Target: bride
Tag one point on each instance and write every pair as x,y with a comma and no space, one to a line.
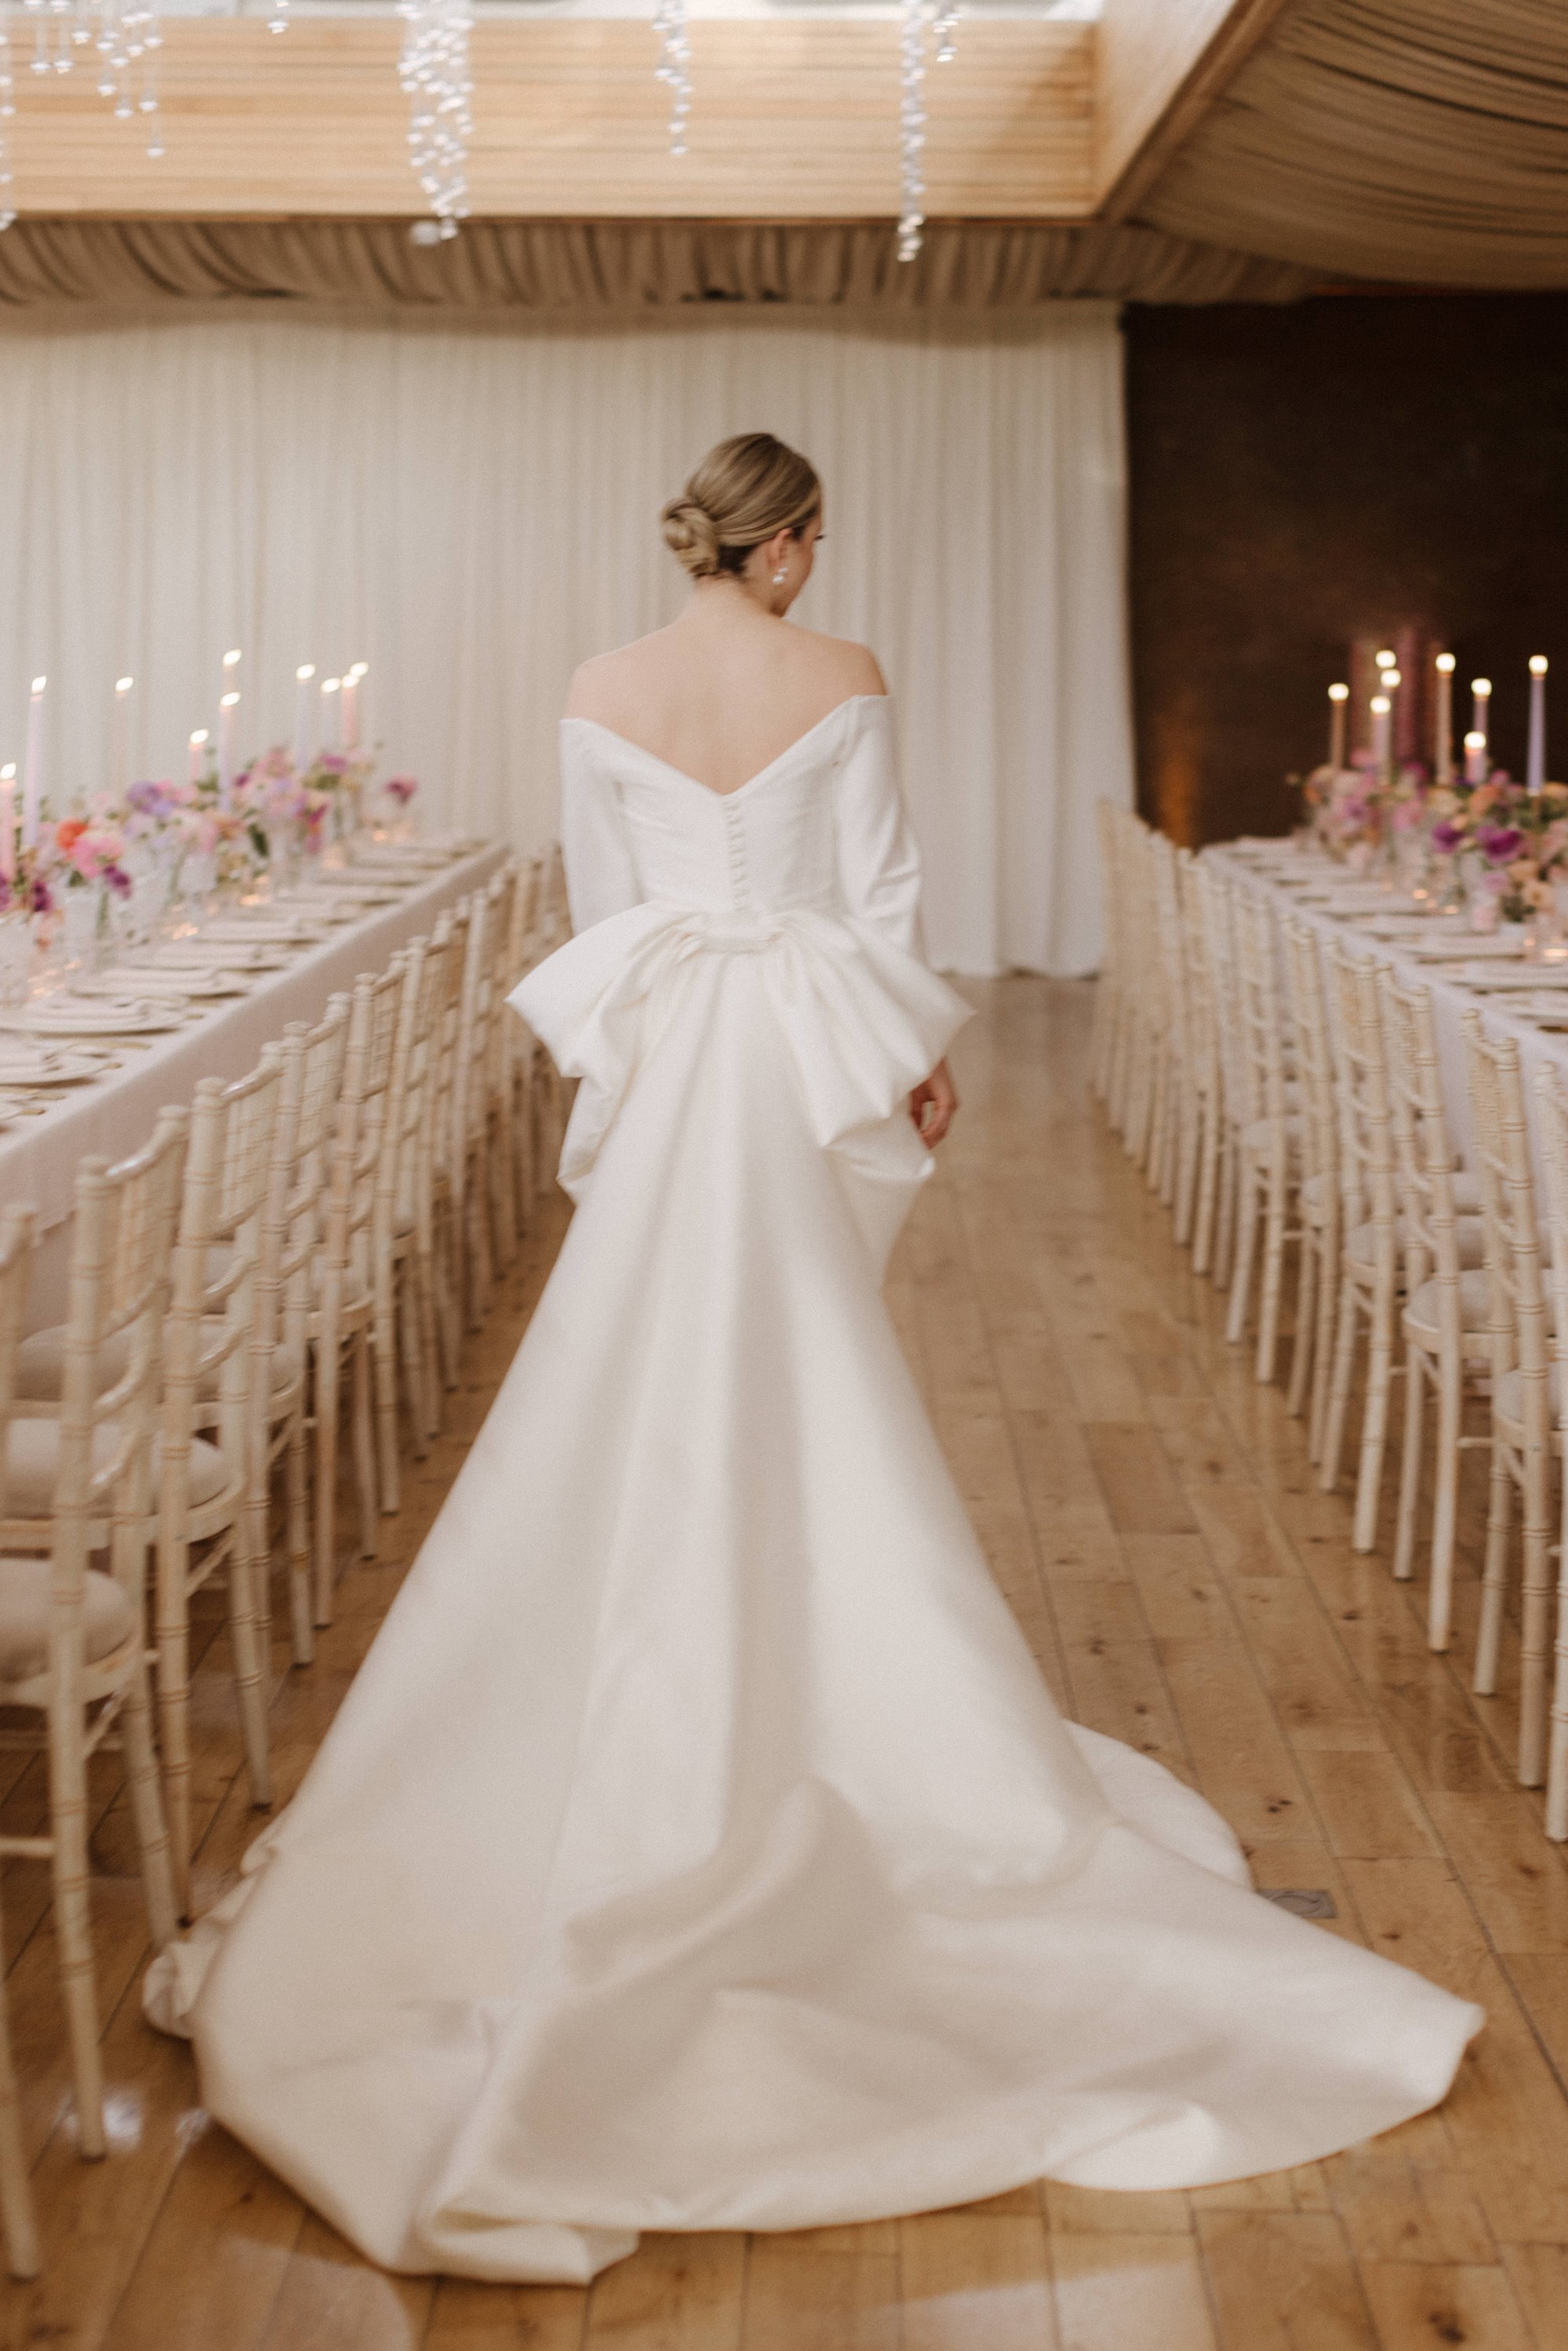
699,1847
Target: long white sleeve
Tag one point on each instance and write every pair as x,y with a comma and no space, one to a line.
879,864
600,877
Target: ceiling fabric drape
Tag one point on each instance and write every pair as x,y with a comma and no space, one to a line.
620,264
1418,140
470,504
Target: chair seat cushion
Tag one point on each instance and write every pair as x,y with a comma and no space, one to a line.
1508,1397
1475,1309
1361,1248
41,1359
108,1618
32,1462
1260,1135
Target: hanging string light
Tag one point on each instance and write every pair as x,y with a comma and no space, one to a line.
674,66
8,114
125,38
437,75
918,21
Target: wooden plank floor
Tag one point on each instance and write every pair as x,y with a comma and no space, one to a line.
1149,1512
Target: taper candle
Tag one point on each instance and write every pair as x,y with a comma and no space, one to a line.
1480,707
303,677
8,821
1338,696
331,687
1381,731
119,749
227,710
33,770
1535,758
1443,762
352,705
199,742
1475,758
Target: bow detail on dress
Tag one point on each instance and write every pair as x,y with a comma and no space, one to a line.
864,1021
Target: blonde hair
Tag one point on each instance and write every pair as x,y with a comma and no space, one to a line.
744,490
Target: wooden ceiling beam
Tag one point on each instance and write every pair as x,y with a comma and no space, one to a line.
791,120
1160,65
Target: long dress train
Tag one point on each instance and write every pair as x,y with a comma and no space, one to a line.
698,1847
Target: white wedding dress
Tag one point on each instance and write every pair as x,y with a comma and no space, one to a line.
697,1847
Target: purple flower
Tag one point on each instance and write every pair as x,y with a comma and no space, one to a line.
1501,844
119,880
42,897
400,788
1445,836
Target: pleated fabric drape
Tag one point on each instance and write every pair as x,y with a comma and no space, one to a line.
617,264
471,507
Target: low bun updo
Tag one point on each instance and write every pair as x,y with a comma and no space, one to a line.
744,491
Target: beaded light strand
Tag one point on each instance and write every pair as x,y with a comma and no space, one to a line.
436,73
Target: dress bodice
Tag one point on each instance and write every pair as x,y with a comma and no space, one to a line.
821,826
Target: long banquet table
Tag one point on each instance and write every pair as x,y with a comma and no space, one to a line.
115,1115
1464,971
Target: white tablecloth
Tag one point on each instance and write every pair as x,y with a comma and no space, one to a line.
1452,996
39,1156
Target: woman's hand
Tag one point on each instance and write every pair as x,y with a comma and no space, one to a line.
932,1106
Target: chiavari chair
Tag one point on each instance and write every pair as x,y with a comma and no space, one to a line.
16,2216
1318,1272
1522,1413
217,1375
1369,1255
1197,1186
444,1171
1446,1318
79,1480
1270,1141
1236,1090
1552,1104
343,1282
1109,981
312,1081
1168,1152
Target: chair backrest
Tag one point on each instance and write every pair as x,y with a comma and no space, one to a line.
1315,1075
523,949
1218,898
487,1057
223,1308
1255,976
1367,1188
1509,1224
357,1152
1170,962
312,1081
122,1244
1423,1155
1203,1034
454,931
1552,1104
17,1229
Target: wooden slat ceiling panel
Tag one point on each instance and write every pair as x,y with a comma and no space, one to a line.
791,120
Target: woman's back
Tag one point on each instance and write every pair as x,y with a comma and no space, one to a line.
728,687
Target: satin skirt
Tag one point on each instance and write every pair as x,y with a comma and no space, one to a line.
698,1847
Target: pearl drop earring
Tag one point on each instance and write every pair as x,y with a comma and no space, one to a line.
779,577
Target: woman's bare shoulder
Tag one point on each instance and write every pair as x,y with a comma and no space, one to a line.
599,686
842,668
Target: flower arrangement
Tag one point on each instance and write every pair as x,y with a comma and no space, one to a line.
88,849
1356,810
1517,839
28,889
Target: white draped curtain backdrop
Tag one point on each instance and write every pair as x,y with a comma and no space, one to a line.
471,508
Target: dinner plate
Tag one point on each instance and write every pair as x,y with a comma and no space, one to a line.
1528,976
1475,949
203,955
56,1070
198,981
111,1019
237,931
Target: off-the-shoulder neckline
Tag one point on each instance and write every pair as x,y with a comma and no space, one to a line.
849,703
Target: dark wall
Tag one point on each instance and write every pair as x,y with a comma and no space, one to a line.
1339,468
